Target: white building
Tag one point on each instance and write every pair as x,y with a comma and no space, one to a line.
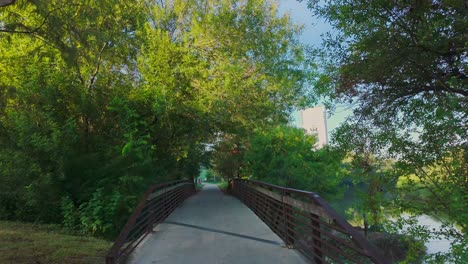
314,122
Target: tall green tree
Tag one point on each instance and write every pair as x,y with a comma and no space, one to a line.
371,181
402,64
100,99
62,63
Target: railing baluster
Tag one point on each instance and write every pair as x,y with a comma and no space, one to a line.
289,223
169,196
317,238
283,209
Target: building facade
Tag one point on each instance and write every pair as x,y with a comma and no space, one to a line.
314,122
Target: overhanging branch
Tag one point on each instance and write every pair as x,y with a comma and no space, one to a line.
32,31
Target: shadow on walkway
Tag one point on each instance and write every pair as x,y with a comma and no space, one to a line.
211,227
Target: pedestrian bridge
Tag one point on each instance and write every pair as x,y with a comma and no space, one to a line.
255,223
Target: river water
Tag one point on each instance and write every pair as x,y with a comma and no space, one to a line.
434,245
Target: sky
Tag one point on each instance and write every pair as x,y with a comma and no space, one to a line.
313,29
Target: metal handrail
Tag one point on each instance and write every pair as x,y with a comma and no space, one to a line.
155,206
305,221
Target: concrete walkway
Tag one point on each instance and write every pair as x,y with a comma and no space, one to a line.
211,227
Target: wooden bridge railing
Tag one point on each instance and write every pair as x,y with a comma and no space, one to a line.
305,221
157,203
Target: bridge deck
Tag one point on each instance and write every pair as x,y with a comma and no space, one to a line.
211,227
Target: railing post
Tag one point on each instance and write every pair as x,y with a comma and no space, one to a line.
165,210
283,211
233,188
270,208
151,221
241,193
121,245
289,225
316,239
284,226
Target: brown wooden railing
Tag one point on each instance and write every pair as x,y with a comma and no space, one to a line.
305,221
157,203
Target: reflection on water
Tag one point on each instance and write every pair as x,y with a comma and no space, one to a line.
350,199
434,245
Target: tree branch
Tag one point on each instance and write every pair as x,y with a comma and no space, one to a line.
33,31
93,78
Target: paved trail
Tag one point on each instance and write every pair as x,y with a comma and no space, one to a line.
211,227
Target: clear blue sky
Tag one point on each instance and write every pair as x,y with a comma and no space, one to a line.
313,29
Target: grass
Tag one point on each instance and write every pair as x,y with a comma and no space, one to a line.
37,244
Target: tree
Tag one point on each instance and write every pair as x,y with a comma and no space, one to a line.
402,64
284,156
61,66
227,157
100,100
370,178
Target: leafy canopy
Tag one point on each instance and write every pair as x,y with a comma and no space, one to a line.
100,99
402,66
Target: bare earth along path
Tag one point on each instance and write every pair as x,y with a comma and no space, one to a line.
211,227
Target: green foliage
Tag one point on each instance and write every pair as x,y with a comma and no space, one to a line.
227,158
71,218
284,156
223,185
99,100
211,175
371,179
402,64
